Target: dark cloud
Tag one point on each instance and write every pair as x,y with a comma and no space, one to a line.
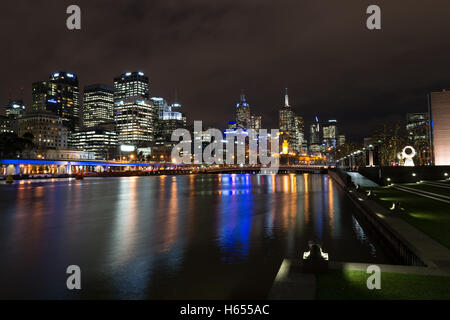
210,49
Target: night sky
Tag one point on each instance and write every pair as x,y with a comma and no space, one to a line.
209,50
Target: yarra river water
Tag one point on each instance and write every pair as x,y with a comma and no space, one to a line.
174,237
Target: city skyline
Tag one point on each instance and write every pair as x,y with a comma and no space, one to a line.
192,48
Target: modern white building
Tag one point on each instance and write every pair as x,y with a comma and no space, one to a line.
439,105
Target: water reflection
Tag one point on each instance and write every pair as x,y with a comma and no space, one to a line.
197,236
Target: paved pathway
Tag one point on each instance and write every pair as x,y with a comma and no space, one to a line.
361,180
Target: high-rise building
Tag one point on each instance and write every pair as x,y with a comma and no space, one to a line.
102,142
131,84
439,105
47,129
299,135
418,130
255,122
330,134
315,132
64,96
134,117
59,95
98,105
242,113
40,97
15,109
341,140
286,116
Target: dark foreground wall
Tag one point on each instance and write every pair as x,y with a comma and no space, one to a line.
381,175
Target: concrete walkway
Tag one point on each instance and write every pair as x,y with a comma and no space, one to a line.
291,284
361,180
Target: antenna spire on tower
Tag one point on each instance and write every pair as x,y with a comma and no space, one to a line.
286,98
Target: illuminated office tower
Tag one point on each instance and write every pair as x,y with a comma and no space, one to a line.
242,113
341,140
131,84
15,109
315,132
330,134
64,95
100,141
418,131
286,116
134,117
59,95
98,105
40,96
299,134
255,122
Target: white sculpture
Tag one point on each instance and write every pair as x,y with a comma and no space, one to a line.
408,153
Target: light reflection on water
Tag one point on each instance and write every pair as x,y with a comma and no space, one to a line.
204,236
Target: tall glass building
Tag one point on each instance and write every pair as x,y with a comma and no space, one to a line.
134,117
131,84
242,113
59,95
98,105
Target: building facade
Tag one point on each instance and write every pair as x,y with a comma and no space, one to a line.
131,84
98,105
103,143
418,136
439,104
242,113
134,117
59,95
47,129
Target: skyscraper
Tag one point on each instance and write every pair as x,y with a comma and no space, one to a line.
64,95
59,95
15,109
286,116
299,134
330,134
131,84
255,122
418,130
242,113
98,105
40,96
134,112
134,117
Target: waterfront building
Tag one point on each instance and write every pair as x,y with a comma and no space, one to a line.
131,84
418,136
103,143
134,117
169,118
59,95
439,108
67,154
47,129
330,134
98,105
242,113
